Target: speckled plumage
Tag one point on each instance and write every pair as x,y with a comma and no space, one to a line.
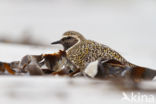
86,51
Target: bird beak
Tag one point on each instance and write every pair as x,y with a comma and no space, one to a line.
56,42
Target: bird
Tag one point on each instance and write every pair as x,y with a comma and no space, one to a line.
81,51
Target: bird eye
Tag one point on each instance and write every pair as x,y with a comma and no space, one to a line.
68,37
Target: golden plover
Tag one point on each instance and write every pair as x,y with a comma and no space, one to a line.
82,51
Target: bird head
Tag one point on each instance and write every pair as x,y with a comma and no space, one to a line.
69,39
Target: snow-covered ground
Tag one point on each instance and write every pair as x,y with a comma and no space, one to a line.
127,26
47,90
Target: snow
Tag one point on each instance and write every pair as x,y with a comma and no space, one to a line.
38,90
12,52
51,90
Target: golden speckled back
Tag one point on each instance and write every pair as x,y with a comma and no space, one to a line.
88,51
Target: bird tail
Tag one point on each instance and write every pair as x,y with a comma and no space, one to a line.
143,73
